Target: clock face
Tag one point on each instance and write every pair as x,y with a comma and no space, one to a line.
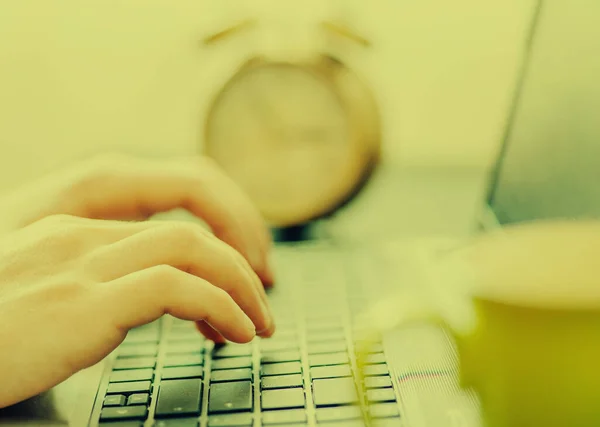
282,132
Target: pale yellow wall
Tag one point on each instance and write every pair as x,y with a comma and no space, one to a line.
78,77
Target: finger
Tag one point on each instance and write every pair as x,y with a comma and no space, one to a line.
111,232
187,247
210,333
235,219
144,296
134,188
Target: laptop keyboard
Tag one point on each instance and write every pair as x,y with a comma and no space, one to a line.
166,374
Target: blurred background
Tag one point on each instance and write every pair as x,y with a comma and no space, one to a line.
84,77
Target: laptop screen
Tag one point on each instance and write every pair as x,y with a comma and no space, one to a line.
550,164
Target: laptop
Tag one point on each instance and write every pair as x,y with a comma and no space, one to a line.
165,374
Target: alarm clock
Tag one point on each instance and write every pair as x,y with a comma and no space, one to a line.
300,137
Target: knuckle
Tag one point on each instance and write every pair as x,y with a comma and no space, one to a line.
162,274
60,220
238,260
62,228
64,289
94,172
240,263
184,234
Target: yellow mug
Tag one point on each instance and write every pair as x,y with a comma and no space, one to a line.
523,306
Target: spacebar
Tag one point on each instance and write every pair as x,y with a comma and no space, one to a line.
179,397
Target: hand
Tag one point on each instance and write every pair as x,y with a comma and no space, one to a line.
121,187
71,288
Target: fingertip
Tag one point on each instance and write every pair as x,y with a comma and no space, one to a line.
268,333
242,337
243,332
248,327
264,271
267,277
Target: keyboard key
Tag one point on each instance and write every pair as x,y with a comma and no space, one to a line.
132,387
378,382
267,346
338,413
114,400
325,326
179,397
139,399
131,375
381,395
284,398
122,424
334,391
375,358
281,368
230,397
328,359
182,372
280,356
324,337
383,410
183,334
281,381
338,333
282,335
232,362
231,375
154,325
189,330
319,318
124,412
232,350
327,347
177,422
180,323
368,346
185,347
330,371
284,416
376,348
241,419
134,363
137,350
374,370
184,360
